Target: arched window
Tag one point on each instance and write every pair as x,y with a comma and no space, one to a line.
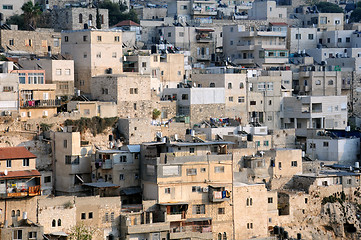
53,223
212,84
224,236
241,85
219,236
229,85
59,222
330,82
318,82
18,213
90,17
13,213
80,18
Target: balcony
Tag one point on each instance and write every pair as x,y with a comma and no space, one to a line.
104,164
24,192
40,103
204,11
204,37
218,194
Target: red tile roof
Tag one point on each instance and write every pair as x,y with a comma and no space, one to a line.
126,23
8,153
20,174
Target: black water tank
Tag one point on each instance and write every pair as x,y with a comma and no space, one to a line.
276,230
110,138
299,236
282,230
249,137
153,49
285,235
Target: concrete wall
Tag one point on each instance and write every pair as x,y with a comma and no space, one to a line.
9,99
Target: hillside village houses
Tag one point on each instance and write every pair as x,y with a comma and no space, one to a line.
211,120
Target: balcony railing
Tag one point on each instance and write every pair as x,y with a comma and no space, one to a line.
40,103
30,191
204,38
193,228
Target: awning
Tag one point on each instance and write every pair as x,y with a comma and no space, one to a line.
198,219
62,234
130,191
20,174
133,148
101,185
173,203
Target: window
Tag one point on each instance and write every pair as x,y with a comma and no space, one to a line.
65,143
199,209
231,42
249,225
136,176
53,223
67,71
105,91
330,82
280,166
116,39
106,217
349,181
58,71
348,39
325,144
66,38
85,55
83,215
203,169
184,96
80,18
85,38
90,215
270,200
11,42
229,85
249,201
310,36
230,99
8,88
298,36
99,55
121,177
112,216
294,164
191,150
181,34
133,90
33,235
212,85
67,159
241,99
312,145
339,40
13,213
135,106
167,190
241,85
99,38
219,169
59,222
265,143
8,163
18,234
252,102
318,82
191,171
26,162
18,213
8,7
184,7
47,179
169,34
231,29
221,211
114,55
328,40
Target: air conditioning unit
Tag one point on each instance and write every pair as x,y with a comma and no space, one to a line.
205,189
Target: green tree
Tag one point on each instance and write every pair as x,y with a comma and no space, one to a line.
326,7
31,14
156,113
356,15
117,12
16,20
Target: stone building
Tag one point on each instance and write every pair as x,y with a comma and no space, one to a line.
95,52
9,89
72,162
76,18
41,42
131,92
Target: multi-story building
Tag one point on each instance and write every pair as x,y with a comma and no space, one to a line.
131,92
191,182
59,72
41,42
322,21
313,112
263,47
130,26
72,162
9,93
19,177
267,10
76,18
95,52
36,98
